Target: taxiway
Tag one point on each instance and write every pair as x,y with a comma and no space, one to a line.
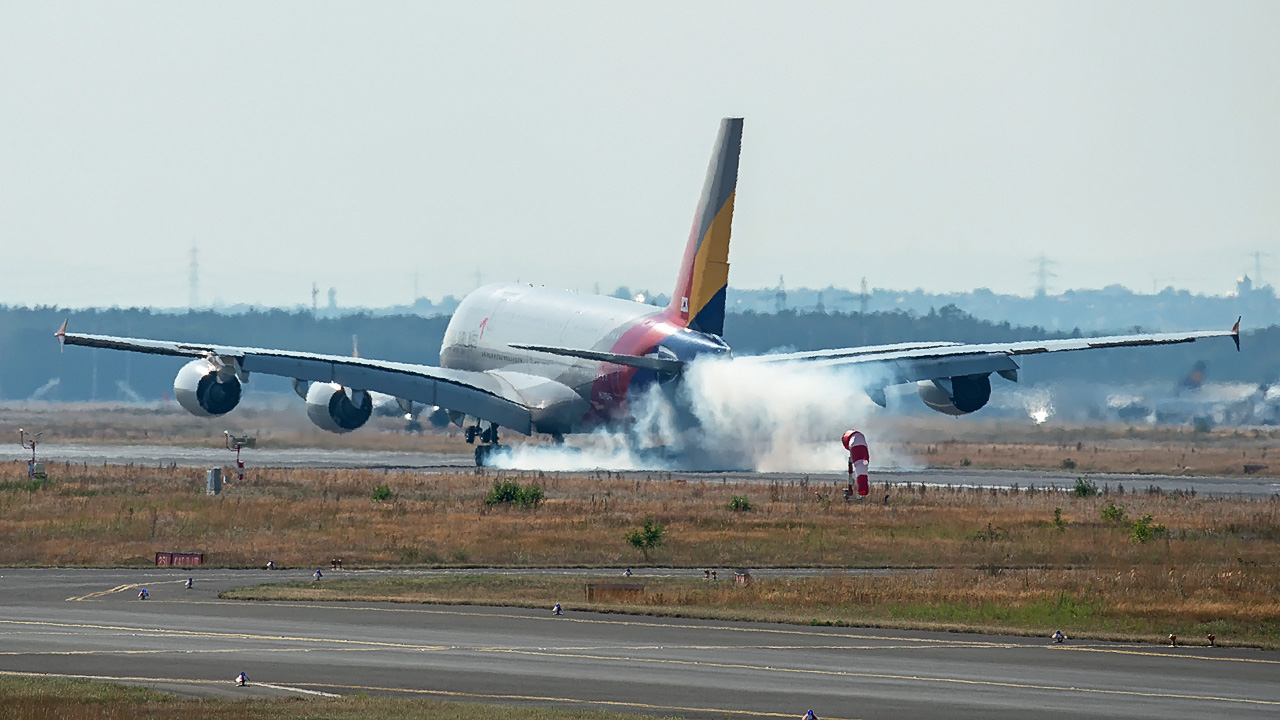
89,623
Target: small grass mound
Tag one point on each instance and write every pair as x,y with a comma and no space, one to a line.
1081,603
76,699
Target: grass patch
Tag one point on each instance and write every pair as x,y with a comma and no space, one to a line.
25,485
18,688
75,699
1028,602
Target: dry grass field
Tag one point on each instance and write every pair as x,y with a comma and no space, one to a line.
1090,449
41,698
120,515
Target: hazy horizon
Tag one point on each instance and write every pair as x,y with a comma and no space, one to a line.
220,304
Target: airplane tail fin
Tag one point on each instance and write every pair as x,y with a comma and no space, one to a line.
698,300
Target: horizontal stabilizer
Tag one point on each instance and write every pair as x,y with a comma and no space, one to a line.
656,364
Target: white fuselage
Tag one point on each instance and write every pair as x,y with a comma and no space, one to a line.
494,317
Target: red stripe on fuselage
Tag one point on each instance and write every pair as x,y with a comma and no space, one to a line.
609,391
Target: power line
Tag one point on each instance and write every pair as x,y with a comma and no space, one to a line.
1043,273
1257,256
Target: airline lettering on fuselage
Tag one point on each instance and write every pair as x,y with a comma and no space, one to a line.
500,357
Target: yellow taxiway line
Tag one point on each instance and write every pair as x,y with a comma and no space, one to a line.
116,589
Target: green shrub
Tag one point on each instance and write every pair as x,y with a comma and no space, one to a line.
740,503
647,537
1085,487
504,492
1143,530
1058,521
531,496
382,493
510,492
1113,513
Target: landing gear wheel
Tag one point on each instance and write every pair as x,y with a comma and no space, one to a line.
484,453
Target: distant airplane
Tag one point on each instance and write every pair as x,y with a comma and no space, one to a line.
532,359
1192,401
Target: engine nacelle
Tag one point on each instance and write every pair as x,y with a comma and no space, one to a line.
203,390
438,417
331,407
958,395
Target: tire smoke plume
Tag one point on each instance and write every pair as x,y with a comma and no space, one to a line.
727,414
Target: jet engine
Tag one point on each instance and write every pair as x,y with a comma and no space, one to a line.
959,395
438,417
337,409
205,390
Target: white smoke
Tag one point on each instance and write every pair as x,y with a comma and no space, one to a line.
600,450
747,415
1038,402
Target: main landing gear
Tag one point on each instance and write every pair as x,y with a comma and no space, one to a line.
488,436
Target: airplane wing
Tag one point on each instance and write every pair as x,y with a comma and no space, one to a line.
910,362
643,362
478,394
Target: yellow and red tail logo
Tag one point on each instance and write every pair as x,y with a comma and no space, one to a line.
698,301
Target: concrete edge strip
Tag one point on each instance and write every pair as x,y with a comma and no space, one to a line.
287,688
185,681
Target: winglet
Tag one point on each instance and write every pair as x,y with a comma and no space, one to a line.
1235,332
62,335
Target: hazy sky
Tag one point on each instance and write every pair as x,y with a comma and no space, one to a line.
937,145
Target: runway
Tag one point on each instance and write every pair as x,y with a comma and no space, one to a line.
89,623
441,462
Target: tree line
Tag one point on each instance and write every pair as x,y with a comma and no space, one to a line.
31,362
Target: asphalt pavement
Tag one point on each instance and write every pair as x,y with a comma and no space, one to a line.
89,622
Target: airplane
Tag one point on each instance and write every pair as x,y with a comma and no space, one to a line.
533,359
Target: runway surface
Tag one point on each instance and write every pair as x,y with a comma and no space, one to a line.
429,462
89,623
